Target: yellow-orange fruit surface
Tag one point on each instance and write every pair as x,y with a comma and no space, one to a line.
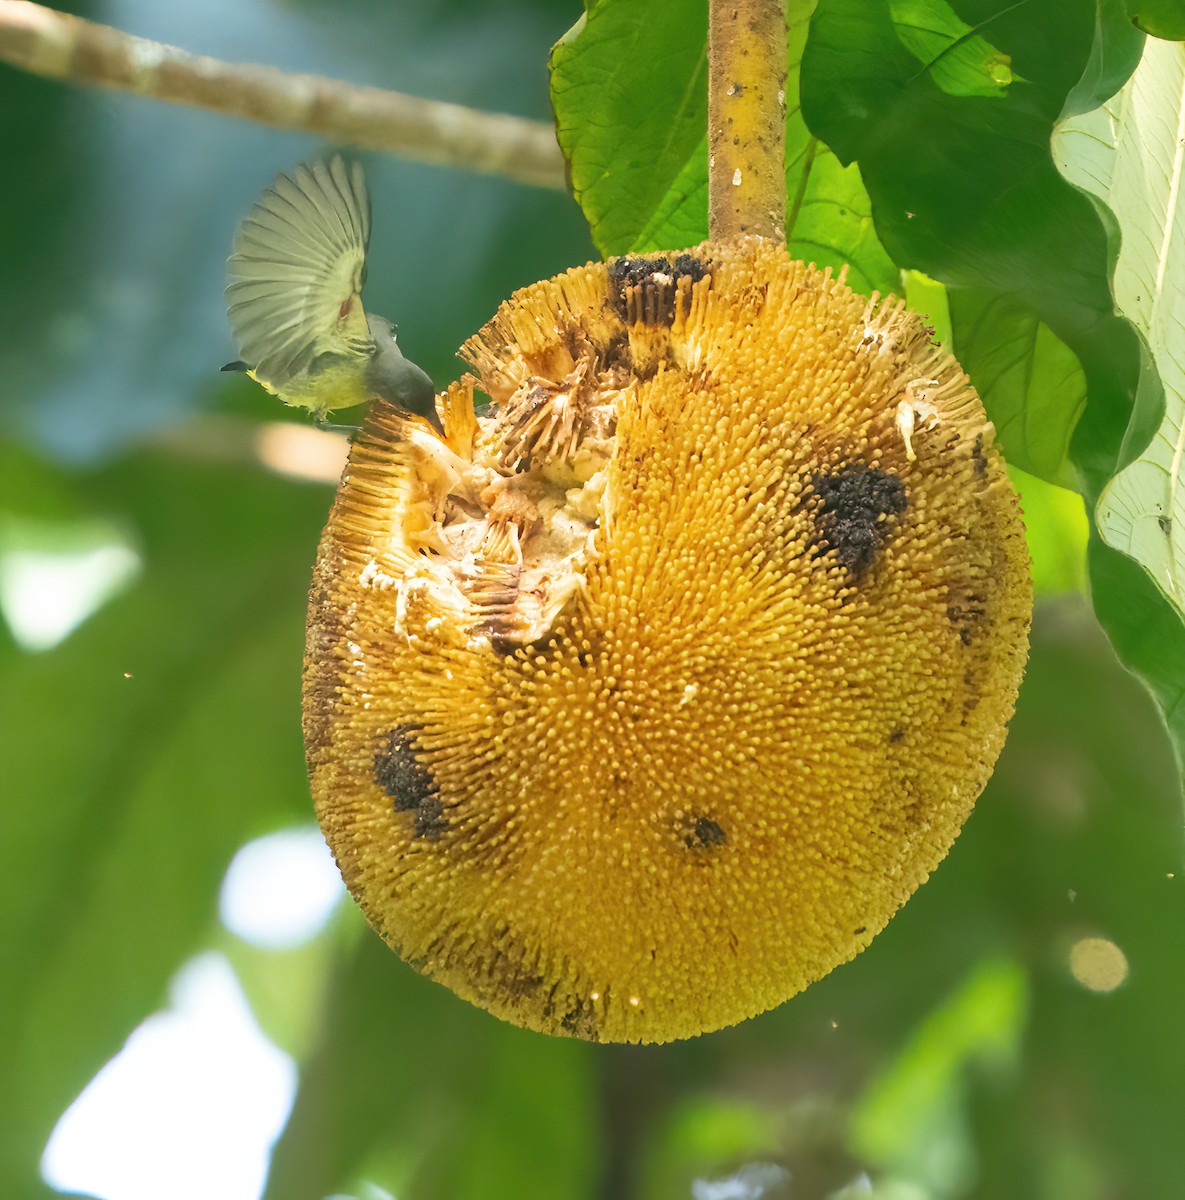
646,696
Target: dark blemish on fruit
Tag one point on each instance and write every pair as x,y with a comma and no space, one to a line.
323,685
855,504
897,736
690,267
580,1020
978,457
969,618
589,650
429,822
857,932
617,355
399,772
501,643
644,289
404,778
702,833
1166,525
913,813
971,700
518,986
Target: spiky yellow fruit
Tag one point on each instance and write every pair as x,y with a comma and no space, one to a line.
640,703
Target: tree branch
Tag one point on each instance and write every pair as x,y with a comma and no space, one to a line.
60,46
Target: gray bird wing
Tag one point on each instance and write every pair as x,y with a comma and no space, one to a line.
297,267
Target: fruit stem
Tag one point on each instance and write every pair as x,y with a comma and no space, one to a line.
746,119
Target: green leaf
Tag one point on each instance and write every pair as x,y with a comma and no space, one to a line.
964,187
631,107
959,61
1160,18
1145,630
143,750
1057,532
1129,154
828,213
904,1119
1031,383
928,298
630,98
285,987
414,1090
706,1136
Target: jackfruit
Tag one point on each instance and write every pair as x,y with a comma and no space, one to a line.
647,695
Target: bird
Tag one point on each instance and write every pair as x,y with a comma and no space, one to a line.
294,298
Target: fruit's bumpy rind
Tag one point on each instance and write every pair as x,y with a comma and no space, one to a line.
709,766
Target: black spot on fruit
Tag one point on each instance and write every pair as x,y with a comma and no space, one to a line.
897,736
616,355
580,1020
644,289
399,772
702,833
855,504
687,265
430,822
401,775
970,618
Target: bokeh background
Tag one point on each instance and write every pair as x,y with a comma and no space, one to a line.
1015,1032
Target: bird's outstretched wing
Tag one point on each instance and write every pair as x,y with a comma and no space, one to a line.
297,269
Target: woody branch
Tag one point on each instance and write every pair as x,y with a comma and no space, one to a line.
60,46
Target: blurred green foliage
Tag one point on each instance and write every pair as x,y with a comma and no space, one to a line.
957,1056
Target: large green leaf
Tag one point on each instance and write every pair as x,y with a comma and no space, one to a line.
1030,381
909,1121
631,107
136,757
958,59
964,187
828,213
1130,154
1126,154
630,99
1161,18
411,1089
